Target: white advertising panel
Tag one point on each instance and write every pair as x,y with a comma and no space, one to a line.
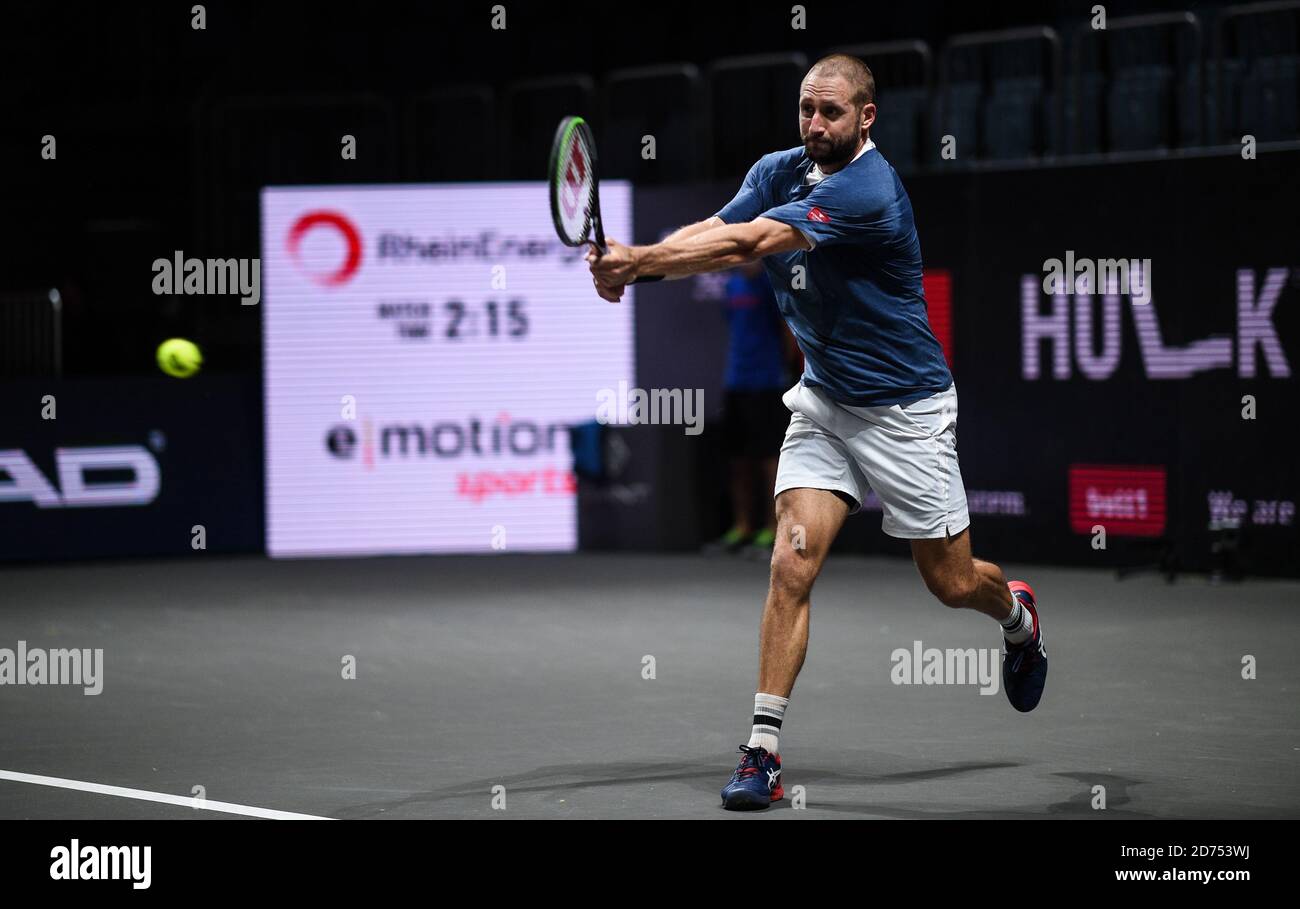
425,350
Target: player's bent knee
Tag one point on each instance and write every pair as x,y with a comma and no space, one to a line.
953,592
793,573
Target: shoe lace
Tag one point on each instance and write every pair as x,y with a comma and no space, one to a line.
1018,654
751,763
1018,657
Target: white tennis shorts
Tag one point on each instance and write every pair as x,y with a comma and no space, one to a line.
907,454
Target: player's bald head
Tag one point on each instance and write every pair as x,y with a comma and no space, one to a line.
836,109
862,85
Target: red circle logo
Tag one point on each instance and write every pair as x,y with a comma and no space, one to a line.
351,236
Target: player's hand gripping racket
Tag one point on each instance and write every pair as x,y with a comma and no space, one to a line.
575,189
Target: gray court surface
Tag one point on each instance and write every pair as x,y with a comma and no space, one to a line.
526,672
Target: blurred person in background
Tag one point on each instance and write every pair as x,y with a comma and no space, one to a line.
761,358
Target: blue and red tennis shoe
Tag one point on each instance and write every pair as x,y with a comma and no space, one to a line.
756,782
1024,666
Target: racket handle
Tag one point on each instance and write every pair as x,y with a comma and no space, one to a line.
646,279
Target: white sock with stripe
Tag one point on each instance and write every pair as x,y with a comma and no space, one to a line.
1019,626
769,710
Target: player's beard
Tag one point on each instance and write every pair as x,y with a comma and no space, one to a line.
830,151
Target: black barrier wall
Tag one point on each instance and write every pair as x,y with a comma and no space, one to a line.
1148,419
130,467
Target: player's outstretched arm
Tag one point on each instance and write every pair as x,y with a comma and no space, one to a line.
718,248
691,230
608,284
714,249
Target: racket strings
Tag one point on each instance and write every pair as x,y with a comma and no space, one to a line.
577,186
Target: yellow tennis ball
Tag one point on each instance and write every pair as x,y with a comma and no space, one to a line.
179,357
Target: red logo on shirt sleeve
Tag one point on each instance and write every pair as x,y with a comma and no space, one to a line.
816,214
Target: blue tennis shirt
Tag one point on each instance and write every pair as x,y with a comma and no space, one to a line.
859,316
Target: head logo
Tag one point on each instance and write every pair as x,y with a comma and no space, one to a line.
816,214
77,487
350,236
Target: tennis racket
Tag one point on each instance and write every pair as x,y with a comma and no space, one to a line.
575,189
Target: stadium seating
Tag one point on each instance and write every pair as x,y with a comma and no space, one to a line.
666,103
531,111
753,104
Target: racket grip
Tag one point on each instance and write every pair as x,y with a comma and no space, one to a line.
646,279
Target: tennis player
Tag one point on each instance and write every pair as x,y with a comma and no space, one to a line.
876,407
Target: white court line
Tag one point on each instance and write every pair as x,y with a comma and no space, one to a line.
165,798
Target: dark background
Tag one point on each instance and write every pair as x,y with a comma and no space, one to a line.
165,135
